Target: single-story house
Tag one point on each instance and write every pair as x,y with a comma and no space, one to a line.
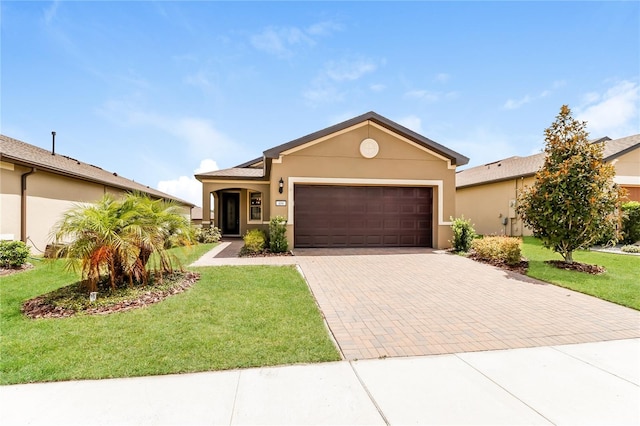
487,194
38,185
365,182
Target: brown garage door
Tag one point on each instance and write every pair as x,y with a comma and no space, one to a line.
362,216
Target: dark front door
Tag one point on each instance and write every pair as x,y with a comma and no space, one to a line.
362,216
230,213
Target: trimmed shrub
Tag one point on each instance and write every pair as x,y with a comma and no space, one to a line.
277,235
630,249
208,235
463,234
631,222
13,254
498,249
254,241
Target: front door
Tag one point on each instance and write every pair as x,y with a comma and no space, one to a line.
231,213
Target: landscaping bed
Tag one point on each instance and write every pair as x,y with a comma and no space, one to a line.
73,299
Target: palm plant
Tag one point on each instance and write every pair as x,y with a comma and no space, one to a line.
118,238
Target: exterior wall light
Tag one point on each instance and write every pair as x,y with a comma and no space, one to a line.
281,186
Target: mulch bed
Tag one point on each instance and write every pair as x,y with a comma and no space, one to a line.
577,266
520,268
266,253
38,308
10,271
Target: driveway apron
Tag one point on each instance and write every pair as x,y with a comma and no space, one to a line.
410,304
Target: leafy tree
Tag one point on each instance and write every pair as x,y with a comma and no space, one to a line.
118,238
573,202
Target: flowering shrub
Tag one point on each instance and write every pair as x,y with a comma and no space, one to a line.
208,235
501,249
254,241
630,249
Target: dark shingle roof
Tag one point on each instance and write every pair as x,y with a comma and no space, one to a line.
456,158
234,172
515,167
19,152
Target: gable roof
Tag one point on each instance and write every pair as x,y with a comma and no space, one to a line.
252,170
456,158
515,167
22,153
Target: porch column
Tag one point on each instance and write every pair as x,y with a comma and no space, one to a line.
206,208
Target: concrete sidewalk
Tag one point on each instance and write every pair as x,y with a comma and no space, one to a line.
591,383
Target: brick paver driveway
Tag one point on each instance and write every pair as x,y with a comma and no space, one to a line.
435,303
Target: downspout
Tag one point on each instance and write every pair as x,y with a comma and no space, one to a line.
23,205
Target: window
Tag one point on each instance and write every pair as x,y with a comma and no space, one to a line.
255,206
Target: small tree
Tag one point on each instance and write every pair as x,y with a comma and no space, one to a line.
116,238
573,202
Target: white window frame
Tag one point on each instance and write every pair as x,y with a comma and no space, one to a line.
249,206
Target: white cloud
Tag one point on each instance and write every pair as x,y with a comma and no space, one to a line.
324,28
328,86
411,122
51,12
517,103
199,79
207,165
377,87
485,145
424,95
349,70
613,113
324,94
188,187
281,41
200,135
442,77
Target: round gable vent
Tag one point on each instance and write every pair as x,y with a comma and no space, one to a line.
369,148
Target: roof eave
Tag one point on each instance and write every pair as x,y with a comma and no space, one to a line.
62,172
503,179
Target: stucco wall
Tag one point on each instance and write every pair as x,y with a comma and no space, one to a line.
489,205
628,173
337,160
486,205
48,196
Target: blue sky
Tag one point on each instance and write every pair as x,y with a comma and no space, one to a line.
156,91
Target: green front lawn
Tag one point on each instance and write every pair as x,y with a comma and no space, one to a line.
234,317
620,284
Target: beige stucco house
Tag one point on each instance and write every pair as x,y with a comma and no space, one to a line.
365,182
37,186
487,194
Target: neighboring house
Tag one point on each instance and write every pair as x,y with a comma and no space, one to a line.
366,182
37,186
196,216
487,194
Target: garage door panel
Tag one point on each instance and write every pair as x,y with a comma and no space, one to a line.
341,216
